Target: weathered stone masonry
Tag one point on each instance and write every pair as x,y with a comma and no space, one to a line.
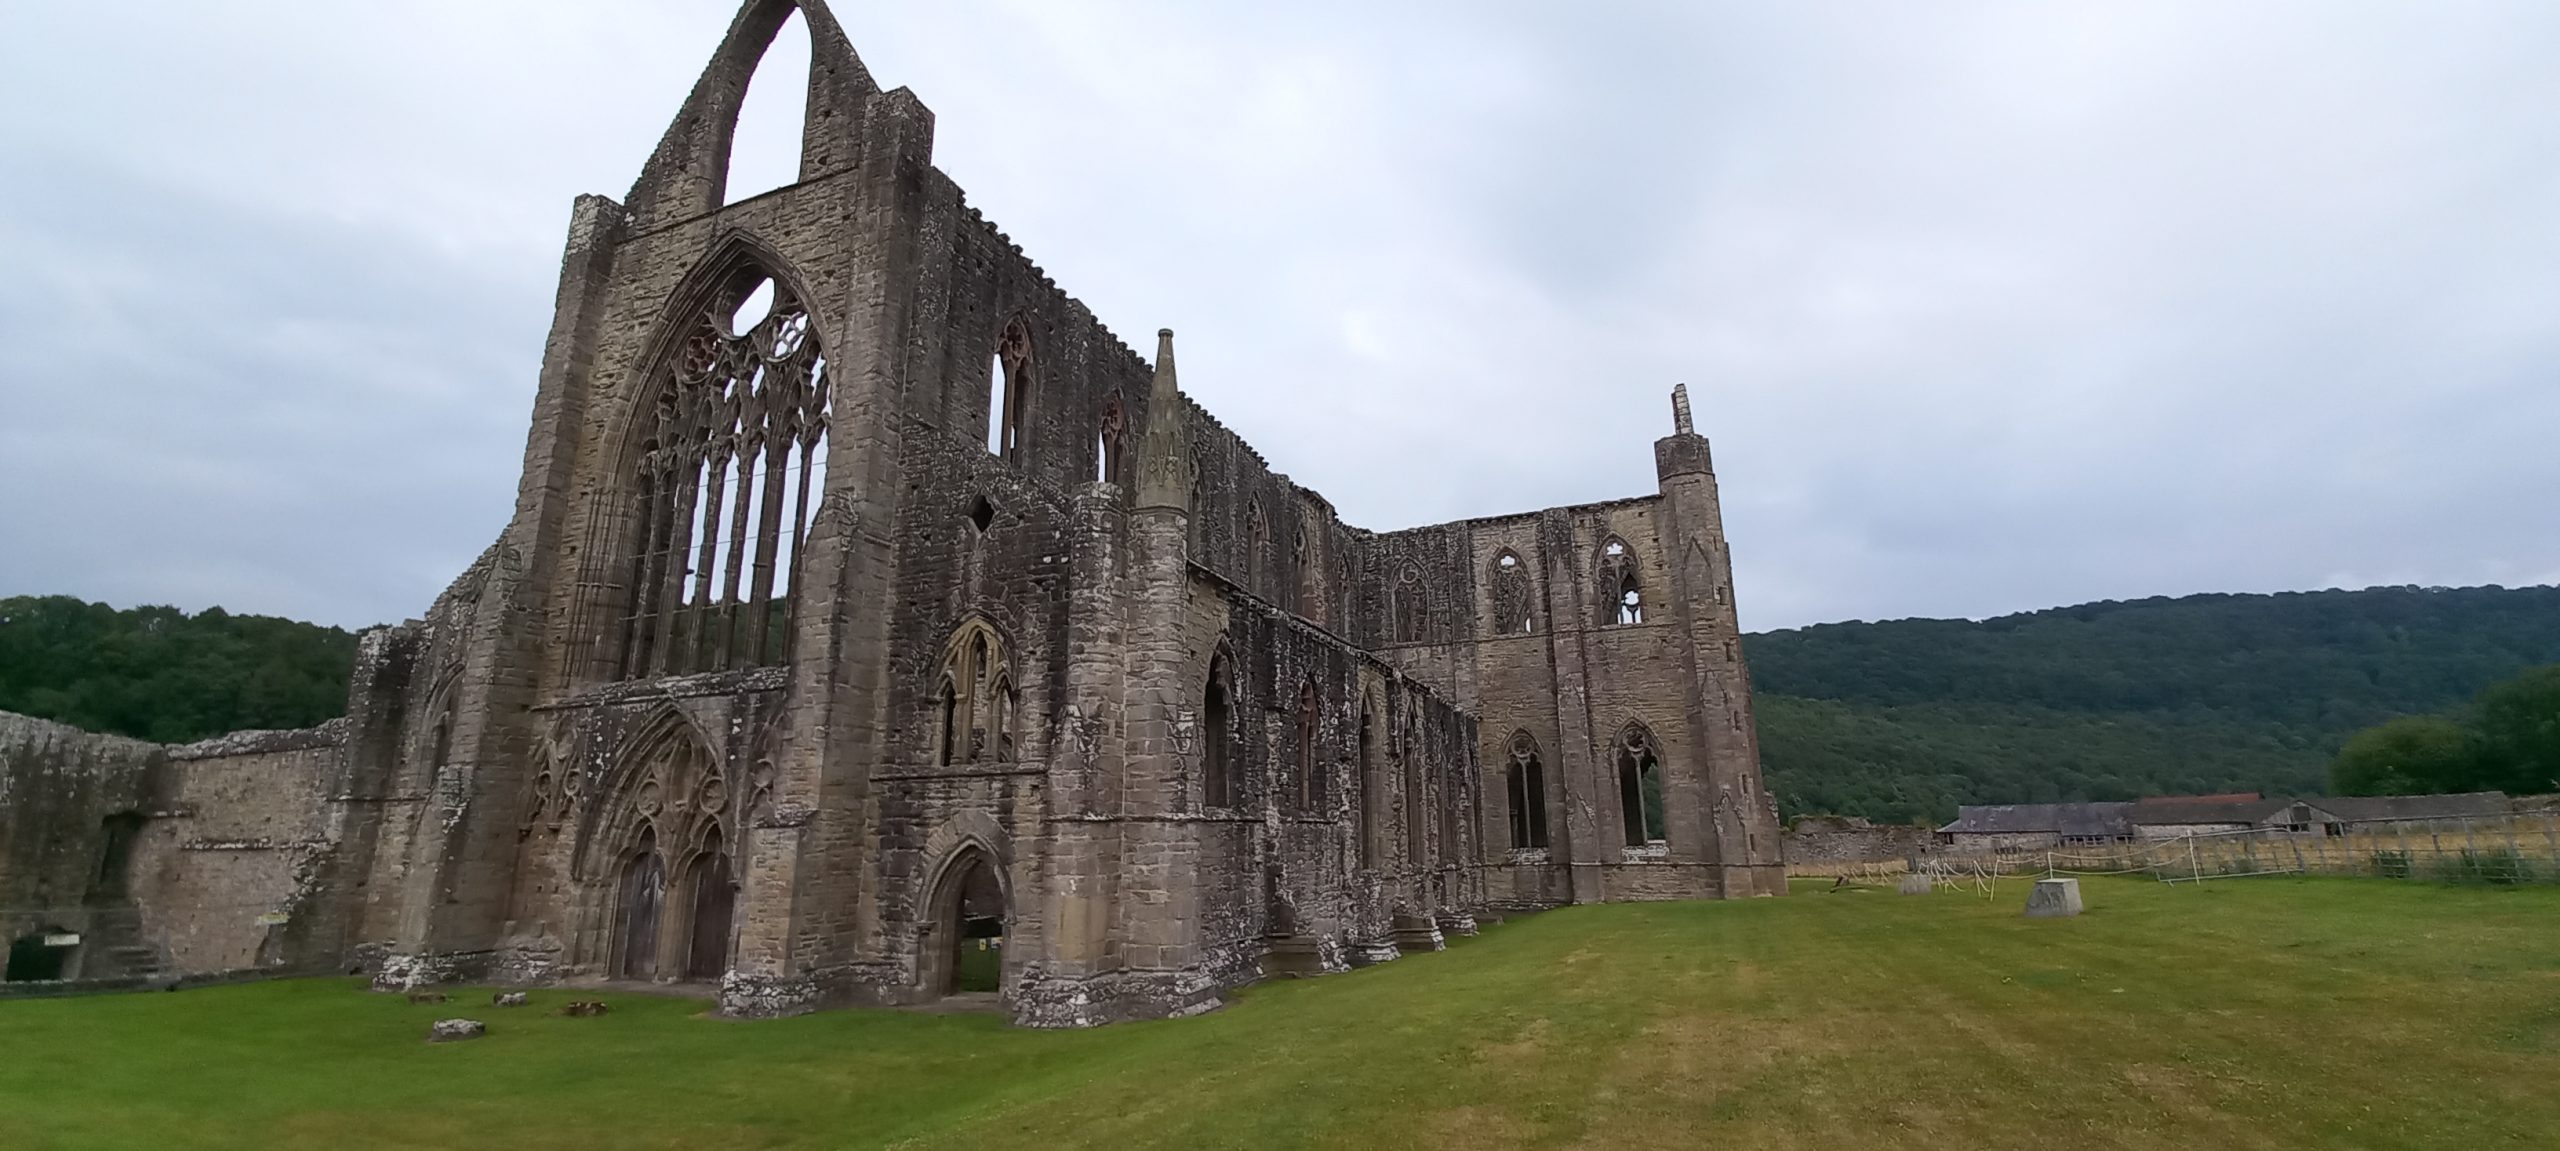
781,677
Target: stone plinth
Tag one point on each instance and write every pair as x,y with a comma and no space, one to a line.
2054,899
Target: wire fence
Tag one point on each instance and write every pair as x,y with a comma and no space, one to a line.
2503,849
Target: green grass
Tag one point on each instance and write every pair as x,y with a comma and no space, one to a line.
2264,1012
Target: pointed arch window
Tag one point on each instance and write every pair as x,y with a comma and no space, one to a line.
1527,783
1640,787
1106,442
1623,595
1009,390
731,463
1371,785
1308,784
1217,783
974,699
1513,602
1412,606
1257,545
1304,570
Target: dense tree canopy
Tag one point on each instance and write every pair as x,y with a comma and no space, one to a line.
1908,718
158,673
2507,740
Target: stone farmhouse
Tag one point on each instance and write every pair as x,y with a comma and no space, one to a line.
874,625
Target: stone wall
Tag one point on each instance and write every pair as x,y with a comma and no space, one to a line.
1834,839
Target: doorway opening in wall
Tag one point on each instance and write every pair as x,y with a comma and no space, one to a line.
643,893
115,857
41,955
973,922
714,900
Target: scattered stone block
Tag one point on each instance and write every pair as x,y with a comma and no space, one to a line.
1914,884
582,1008
507,999
426,997
2054,899
451,1030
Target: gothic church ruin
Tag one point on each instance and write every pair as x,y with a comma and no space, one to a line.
874,625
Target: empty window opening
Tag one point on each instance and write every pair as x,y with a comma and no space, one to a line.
1640,788
1417,800
728,484
764,152
714,898
1527,782
644,892
117,834
1217,789
981,513
1106,443
1309,794
1514,604
1622,596
1008,391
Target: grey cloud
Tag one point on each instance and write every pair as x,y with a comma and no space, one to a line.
1987,307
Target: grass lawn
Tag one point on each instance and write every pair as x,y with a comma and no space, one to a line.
2261,1013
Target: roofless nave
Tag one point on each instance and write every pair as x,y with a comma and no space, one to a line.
815,660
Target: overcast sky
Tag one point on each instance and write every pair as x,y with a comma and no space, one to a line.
1985,307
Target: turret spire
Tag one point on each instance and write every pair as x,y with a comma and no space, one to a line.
1680,422
1165,467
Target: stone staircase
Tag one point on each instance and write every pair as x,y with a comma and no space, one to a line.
115,948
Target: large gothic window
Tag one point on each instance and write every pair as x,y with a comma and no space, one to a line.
974,699
729,474
1513,605
1528,787
1640,787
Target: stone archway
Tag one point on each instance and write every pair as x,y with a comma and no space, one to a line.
962,939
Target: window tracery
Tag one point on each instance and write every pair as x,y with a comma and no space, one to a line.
1623,595
1412,606
729,473
1640,787
974,699
1009,390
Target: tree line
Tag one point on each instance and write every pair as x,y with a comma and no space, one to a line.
2507,740
158,673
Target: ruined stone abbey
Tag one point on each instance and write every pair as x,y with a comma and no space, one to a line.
875,625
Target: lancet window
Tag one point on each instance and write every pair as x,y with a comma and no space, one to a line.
1217,780
1623,601
974,700
1640,787
1009,391
1513,605
1412,609
730,471
1310,792
1527,782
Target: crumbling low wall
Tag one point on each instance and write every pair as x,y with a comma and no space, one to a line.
1831,839
151,862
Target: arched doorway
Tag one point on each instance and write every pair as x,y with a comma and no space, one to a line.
713,898
968,931
643,892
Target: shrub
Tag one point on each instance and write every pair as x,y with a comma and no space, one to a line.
2498,865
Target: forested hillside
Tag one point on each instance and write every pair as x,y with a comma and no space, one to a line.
1895,721
158,673
1905,719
